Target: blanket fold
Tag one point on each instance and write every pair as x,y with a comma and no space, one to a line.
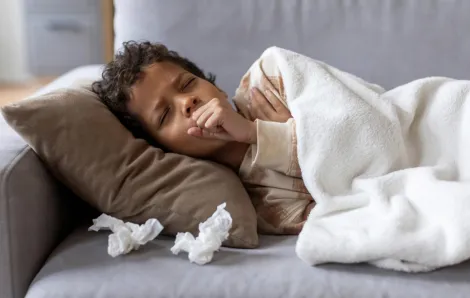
389,170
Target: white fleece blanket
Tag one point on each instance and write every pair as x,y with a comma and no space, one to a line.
389,170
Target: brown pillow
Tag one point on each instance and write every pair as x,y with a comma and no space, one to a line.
89,150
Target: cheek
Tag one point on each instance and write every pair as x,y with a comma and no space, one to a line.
175,134
210,92
175,137
221,94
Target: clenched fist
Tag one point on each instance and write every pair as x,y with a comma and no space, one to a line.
218,120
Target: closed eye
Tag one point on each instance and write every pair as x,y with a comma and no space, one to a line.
188,83
165,113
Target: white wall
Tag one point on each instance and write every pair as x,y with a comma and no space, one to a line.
13,51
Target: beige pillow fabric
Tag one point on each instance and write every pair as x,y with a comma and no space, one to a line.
88,149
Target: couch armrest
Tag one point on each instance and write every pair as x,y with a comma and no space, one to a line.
33,215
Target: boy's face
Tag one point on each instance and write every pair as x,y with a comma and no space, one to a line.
165,98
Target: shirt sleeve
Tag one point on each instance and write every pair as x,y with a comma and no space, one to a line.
276,147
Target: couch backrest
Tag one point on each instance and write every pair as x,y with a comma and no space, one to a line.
388,42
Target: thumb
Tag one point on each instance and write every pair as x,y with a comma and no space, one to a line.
206,134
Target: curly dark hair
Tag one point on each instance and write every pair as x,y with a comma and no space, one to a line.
120,74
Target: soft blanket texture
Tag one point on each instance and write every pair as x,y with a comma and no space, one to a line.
389,170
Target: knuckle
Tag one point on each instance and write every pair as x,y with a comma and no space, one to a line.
218,111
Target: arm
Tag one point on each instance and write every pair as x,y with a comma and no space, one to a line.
276,147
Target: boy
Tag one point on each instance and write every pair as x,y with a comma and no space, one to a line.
167,100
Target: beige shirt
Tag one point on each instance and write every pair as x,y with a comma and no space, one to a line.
270,170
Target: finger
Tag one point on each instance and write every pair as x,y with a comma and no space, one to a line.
204,133
216,135
260,97
195,132
271,94
213,129
257,112
275,102
267,85
202,119
264,107
214,121
196,114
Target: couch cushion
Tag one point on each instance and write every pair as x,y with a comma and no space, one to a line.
87,148
387,42
81,268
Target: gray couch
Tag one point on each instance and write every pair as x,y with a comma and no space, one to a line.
45,250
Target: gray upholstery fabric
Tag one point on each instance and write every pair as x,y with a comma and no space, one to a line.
33,207
388,42
81,267
30,214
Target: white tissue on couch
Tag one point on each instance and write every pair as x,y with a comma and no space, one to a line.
126,236
212,233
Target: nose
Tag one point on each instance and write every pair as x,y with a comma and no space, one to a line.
189,105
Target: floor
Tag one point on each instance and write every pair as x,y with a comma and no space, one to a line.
13,92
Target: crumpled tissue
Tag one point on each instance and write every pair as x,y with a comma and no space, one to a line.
126,236
212,233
